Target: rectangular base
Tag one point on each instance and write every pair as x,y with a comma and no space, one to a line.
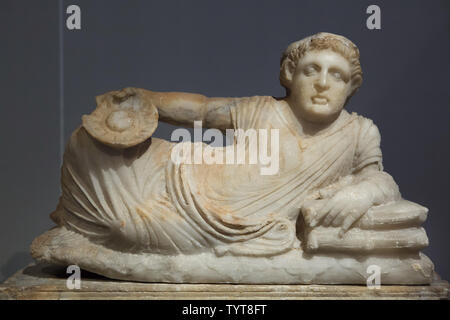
49,282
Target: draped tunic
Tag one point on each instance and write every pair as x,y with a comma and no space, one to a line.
139,200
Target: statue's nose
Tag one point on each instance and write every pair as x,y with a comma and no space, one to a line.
322,83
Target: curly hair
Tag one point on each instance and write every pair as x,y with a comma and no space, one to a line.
321,41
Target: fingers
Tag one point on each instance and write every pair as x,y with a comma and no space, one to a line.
339,219
120,94
125,93
326,207
310,209
349,221
334,212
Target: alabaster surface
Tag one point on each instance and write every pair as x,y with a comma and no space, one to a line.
314,206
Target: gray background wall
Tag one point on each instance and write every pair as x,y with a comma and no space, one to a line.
218,48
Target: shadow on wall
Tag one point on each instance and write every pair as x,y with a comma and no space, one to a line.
17,260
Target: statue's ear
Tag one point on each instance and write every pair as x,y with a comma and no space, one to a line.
356,83
290,69
287,72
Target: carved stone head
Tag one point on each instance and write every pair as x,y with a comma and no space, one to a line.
320,73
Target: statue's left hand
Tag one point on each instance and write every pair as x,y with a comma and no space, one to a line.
125,93
344,208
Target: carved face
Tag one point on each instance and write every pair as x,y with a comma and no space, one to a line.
320,85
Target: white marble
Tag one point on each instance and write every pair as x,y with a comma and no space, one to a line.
315,206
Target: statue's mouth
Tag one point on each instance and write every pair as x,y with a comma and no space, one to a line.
319,100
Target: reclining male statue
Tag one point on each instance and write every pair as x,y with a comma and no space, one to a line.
128,211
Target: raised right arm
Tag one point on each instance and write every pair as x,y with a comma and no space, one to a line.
183,109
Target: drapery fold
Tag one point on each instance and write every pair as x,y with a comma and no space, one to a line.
137,199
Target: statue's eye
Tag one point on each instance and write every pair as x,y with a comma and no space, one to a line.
337,75
310,70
